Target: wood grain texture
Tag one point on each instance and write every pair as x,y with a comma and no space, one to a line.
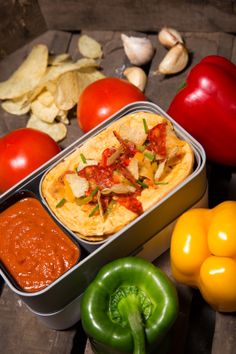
23,333
20,22
180,328
20,331
225,334
139,15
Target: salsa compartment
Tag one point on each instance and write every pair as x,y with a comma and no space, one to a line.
33,248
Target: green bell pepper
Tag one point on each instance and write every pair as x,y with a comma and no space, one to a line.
128,307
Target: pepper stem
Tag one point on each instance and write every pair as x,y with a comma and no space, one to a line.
130,310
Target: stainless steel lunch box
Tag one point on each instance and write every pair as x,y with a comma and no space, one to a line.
147,236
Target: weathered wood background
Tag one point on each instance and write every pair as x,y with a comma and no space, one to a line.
142,15
208,28
23,20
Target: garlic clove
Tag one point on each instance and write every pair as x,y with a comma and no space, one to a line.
136,76
138,50
175,60
168,37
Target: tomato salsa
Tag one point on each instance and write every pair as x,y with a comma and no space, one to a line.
33,248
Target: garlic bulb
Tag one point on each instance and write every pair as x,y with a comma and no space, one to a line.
138,50
169,37
175,60
136,76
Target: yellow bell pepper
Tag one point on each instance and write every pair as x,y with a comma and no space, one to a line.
203,253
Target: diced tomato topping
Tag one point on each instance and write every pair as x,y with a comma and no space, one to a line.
128,175
88,172
124,161
105,200
106,154
104,175
98,175
131,203
129,147
157,139
117,178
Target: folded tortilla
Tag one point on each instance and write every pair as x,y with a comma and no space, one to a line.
177,165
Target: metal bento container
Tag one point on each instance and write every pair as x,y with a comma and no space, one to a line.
130,240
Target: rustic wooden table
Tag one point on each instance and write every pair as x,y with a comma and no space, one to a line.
198,330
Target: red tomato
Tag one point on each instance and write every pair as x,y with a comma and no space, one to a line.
21,152
103,98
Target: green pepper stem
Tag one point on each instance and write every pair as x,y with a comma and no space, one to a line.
130,310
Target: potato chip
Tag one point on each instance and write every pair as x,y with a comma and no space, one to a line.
28,75
45,113
46,98
92,238
67,92
53,72
58,59
32,95
48,86
89,47
62,117
88,76
51,86
57,131
17,106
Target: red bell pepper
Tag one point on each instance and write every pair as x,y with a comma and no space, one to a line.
206,108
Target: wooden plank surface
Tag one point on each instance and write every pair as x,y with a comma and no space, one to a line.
139,15
23,20
20,22
20,331
225,323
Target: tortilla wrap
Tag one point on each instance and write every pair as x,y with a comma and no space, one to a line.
178,165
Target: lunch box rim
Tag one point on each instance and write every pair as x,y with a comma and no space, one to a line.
131,108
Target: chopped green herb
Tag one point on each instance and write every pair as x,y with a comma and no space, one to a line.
86,200
142,184
94,192
61,203
149,156
141,148
145,125
94,210
83,200
161,183
83,158
110,206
